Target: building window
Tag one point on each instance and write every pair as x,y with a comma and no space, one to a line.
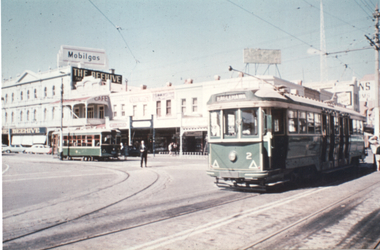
12,117
168,107
114,110
45,114
21,95
13,97
90,112
27,115
145,109
34,115
53,91
52,113
195,104
76,113
183,106
134,110
6,98
45,92
101,112
21,116
27,94
6,117
122,109
158,108
35,93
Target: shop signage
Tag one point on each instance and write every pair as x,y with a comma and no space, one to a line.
28,131
163,96
77,75
83,57
118,125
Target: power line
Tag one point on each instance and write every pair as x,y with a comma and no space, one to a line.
118,28
363,9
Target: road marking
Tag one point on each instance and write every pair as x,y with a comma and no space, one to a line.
59,176
6,168
161,242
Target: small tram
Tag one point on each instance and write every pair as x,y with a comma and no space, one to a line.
88,145
264,137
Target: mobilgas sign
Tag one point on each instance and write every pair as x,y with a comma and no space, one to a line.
82,57
78,74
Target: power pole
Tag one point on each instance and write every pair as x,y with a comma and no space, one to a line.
375,44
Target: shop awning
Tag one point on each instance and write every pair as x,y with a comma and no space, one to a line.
28,139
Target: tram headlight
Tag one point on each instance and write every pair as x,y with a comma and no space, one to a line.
232,156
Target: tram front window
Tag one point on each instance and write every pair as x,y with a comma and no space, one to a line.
229,122
215,124
249,122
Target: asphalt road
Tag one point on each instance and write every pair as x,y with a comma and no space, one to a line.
173,204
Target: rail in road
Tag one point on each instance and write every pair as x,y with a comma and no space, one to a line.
131,213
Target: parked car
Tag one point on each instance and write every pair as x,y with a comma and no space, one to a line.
38,149
4,148
14,149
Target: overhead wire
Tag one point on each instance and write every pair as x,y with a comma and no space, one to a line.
369,15
118,28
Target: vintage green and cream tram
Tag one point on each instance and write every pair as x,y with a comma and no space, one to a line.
263,137
90,144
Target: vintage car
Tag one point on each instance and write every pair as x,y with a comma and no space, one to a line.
38,149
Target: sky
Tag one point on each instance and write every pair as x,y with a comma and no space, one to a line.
152,42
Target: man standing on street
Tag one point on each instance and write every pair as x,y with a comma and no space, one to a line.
143,153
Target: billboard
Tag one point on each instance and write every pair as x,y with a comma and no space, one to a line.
262,56
82,57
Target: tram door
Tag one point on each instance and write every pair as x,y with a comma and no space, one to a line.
331,138
325,138
346,140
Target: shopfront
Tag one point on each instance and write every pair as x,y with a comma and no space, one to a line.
28,136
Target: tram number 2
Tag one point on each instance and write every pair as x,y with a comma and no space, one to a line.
249,156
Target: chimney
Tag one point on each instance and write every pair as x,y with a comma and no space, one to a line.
112,71
217,78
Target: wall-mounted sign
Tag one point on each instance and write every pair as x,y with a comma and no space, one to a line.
83,57
77,75
141,98
344,98
28,131
163,96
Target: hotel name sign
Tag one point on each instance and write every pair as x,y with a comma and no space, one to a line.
78,74
28,130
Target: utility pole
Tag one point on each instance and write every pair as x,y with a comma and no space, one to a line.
376,15
376,45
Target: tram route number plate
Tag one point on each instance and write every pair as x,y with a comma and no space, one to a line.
229,174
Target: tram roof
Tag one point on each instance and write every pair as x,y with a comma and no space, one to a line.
269,94
87,131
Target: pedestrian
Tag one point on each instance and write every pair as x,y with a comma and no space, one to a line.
375,147
170,148
175,148
143,153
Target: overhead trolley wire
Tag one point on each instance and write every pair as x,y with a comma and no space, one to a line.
118,28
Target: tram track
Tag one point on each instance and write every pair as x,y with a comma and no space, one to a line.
78,217
305,219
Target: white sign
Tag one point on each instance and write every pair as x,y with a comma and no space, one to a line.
262,56
82,57
163,96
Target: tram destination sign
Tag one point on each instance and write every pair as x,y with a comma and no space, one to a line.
79,73
230,97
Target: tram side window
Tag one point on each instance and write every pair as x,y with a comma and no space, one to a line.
215,124
96,140
350,126
89,140
302,122
360,127
354,126
318,123
249,122
336,125
293,121
65,139
278,121
310,123
229,122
